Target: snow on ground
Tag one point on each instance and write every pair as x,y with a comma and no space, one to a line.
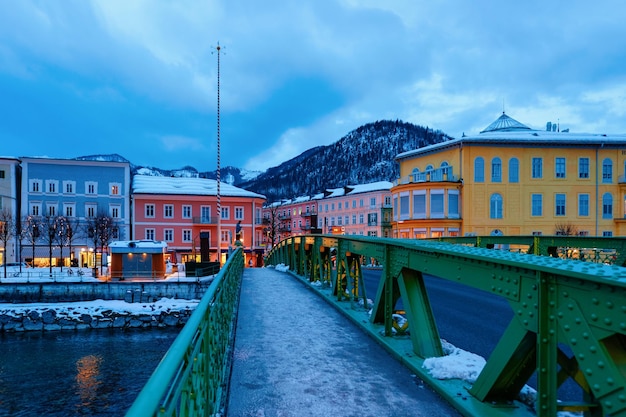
96,307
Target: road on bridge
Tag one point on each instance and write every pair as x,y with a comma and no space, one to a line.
469,318
296,356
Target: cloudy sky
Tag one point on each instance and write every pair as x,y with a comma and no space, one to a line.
139,77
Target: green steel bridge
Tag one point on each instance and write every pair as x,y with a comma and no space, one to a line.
567,295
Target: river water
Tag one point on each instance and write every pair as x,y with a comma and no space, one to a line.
77,373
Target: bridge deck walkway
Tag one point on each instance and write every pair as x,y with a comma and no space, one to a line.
294,355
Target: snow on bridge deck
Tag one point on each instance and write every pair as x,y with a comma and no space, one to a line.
296,356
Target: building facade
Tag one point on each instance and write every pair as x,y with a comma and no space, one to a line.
9,207
76,191
513,180
183,213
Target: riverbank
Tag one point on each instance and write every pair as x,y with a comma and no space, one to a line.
96,314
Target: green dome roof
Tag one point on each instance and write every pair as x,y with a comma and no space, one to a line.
505,123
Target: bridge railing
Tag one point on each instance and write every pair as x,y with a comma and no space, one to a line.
191,379
569,317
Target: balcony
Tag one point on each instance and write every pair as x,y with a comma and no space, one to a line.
205,220
309,213
443,174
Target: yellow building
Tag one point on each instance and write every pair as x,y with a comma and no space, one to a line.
513,180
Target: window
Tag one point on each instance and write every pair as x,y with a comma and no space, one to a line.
607,233
419,204
387,200
404,205
52,186
168,235
479,169
354,219
149,234
205,214
496,170
149,210
35,209
559,168
168,211
68,209
372,219
69,187
361,204
186,212
114,211
347,219
225,213
91,187
373,202
51,209
513,170
361,219
536,202
90,210
395,207
353,203
2,174
495,206
607,206
537,168
436,204
238,213
583,167
453,204
332,206
583,205
35,186
186,235
225,235
115,188
607,171
559,205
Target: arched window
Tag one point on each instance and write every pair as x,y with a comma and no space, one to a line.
513,170
607,206
495,206
607,170
479,169
496,170
415,174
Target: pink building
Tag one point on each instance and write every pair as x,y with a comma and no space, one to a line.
183,213
363,210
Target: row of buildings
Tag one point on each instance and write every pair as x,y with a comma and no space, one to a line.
180,212
507,180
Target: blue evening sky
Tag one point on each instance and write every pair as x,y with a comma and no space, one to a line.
139,77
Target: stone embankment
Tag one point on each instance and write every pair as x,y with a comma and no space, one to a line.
50,320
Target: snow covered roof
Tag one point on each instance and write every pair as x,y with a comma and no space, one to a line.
374,186
505,123
523,137
146,184
132,246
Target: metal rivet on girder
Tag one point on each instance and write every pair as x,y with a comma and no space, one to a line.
589,371
610,381
577,320
520,312
609,304
594,317
565,294
525,322
622,325
586,335
581,356
567,328
592,349
544,340
552,317
622,398
608,321
560,314
608,404
514,293
552,304
595,301
596,387
600,364
530,314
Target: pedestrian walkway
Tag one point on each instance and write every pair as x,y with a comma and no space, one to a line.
295,355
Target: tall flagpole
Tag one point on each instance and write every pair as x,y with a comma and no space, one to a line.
219,203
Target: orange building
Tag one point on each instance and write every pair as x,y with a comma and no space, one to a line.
183,213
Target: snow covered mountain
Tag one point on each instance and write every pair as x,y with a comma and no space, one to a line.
362,156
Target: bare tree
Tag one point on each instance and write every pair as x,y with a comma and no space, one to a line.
60,237
101,229
53,227
271,224
7,231
565,229
72,232
31,232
